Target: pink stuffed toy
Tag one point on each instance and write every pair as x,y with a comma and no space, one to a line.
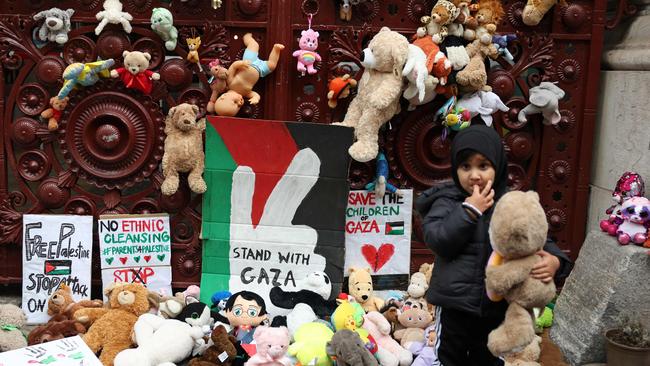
636,214
272,344
307,55
389,352
629,185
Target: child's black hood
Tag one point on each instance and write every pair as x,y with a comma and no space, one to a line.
486,141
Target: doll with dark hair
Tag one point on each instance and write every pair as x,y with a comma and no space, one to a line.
244,311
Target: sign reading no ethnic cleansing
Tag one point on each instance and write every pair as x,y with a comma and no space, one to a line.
56,249
136,249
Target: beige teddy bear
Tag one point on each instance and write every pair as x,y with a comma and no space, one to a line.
360,287
378,92
427,269
12,318
518,231
111,332
474,76
528,357
183,149
136,74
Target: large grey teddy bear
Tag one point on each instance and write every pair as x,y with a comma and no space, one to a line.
56,25
544,99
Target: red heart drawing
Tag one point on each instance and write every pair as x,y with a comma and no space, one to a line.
123,259
147,258
377,258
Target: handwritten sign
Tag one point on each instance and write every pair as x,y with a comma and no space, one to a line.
56,249
70,351
378,236
136,249
275,207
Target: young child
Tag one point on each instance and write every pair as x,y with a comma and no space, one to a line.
455,223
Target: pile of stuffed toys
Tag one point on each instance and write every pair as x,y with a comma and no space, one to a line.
446,57
629,217
137,327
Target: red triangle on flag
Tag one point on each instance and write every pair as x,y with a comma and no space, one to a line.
49,268
388,228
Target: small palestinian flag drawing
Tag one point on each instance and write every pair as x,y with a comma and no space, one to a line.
395,228
58,267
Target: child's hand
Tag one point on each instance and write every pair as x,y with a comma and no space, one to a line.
545,269
482,200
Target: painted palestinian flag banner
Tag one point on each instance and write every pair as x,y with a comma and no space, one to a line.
275,206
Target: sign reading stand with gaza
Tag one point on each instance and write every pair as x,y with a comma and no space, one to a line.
378,236
275,207
136,249
56,249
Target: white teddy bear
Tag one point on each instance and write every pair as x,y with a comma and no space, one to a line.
160,342
113,14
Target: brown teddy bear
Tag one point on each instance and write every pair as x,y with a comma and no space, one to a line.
183,149
62,303
474,76
378,92
360,287
111,332
488,16
517,232
435,26
58,327
215,355
53,114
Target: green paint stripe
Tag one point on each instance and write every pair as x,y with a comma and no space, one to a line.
211,283
219,168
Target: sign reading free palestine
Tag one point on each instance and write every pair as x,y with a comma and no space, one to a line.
136,249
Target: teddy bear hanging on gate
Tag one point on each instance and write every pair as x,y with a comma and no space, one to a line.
307,55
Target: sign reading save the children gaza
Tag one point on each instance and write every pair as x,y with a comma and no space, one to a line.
136,249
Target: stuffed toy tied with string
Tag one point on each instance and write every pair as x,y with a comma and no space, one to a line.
307,55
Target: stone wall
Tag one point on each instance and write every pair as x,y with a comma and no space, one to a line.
622,131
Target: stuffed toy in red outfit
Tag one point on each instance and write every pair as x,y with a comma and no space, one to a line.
135,73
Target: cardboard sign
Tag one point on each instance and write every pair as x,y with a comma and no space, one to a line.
70,351
274,210
136,249
378,236
56,248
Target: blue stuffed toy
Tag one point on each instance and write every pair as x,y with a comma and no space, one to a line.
380,185
501,43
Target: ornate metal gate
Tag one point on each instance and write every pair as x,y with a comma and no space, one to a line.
104,158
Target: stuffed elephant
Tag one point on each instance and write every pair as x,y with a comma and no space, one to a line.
348,349
484,104
544,99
